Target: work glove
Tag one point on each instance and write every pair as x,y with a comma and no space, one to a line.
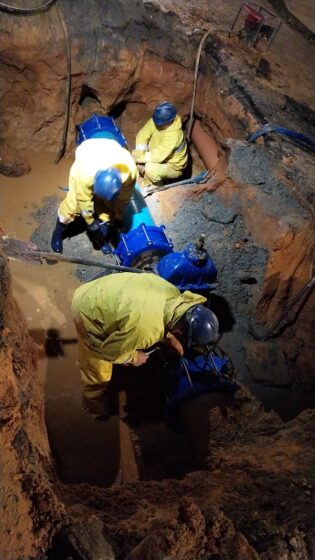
105,229
96,234
94,226
100,232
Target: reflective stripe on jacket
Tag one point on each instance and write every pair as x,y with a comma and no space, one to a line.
163,146
122,313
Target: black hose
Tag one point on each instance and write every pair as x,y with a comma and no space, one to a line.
203,38
14,10
68,86
41,8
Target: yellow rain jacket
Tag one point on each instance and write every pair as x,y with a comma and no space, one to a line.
91,156
122,313
162,146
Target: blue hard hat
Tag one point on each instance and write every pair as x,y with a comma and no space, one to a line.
203,326
164,113
107,183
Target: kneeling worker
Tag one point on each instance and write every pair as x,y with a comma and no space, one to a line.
161,146
101,183
120,316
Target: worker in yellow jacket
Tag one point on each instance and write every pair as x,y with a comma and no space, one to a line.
101,183
120,316
161,147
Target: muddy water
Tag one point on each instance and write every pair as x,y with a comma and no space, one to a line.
84,450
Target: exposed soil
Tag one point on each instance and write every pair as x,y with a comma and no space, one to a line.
216,513
30,510
230,478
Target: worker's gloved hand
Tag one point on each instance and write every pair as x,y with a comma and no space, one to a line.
94,226
105,229
140,359
95,233
173,343
100,232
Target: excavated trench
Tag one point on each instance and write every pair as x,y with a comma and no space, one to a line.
256,214
154,450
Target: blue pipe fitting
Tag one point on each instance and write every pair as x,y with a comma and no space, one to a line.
188,270
137,212
100,127
144,239
205,376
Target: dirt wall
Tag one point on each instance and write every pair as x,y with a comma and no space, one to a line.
252,501
30,512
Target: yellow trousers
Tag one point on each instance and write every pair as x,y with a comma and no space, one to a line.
68,209
95,376
155,173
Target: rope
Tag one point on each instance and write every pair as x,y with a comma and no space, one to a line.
191,115
14,10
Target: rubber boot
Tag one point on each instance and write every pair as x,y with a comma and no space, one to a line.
56,239
106,231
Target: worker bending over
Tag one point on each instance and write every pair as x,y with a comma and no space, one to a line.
120,316
161,147
101,183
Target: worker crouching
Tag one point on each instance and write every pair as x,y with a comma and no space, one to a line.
161,147
120,316
101,183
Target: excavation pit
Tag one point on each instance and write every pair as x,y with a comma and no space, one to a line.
231,478
75,437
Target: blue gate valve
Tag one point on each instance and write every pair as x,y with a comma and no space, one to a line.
197,375
191,269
